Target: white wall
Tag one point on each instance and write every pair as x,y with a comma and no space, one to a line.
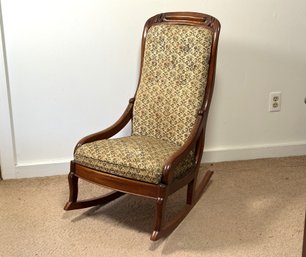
72,66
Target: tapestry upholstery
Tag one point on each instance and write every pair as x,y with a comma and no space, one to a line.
173,81
170,93
136,157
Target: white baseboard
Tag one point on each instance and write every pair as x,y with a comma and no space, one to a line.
210,155
42,169
254,152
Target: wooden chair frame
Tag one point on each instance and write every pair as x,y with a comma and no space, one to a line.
195,141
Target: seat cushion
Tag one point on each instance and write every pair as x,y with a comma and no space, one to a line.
136,157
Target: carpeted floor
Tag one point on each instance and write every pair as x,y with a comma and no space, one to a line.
251,208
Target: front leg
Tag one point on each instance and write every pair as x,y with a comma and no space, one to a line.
73,187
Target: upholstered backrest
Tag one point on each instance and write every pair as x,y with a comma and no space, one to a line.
173,80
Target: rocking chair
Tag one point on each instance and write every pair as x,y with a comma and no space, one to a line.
168,113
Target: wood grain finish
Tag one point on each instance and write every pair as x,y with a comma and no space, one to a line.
195,142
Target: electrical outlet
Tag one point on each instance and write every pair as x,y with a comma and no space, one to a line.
275,101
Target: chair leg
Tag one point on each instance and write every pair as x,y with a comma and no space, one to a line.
194,193
202,185
73,188
73,204
190,192
159,215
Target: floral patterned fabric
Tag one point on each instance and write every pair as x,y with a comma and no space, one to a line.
170,93
137,157
173,81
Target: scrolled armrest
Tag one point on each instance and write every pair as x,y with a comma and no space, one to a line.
113,129
184,150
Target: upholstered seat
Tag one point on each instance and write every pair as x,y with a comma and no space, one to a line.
136,157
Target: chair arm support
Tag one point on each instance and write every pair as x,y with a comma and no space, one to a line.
113,129
182,152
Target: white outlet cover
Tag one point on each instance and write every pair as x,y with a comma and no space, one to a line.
275,105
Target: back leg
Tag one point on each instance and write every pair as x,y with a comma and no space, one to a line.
190,192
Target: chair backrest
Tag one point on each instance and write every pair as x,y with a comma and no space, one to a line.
177,74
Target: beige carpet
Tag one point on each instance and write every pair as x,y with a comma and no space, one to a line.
251,208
